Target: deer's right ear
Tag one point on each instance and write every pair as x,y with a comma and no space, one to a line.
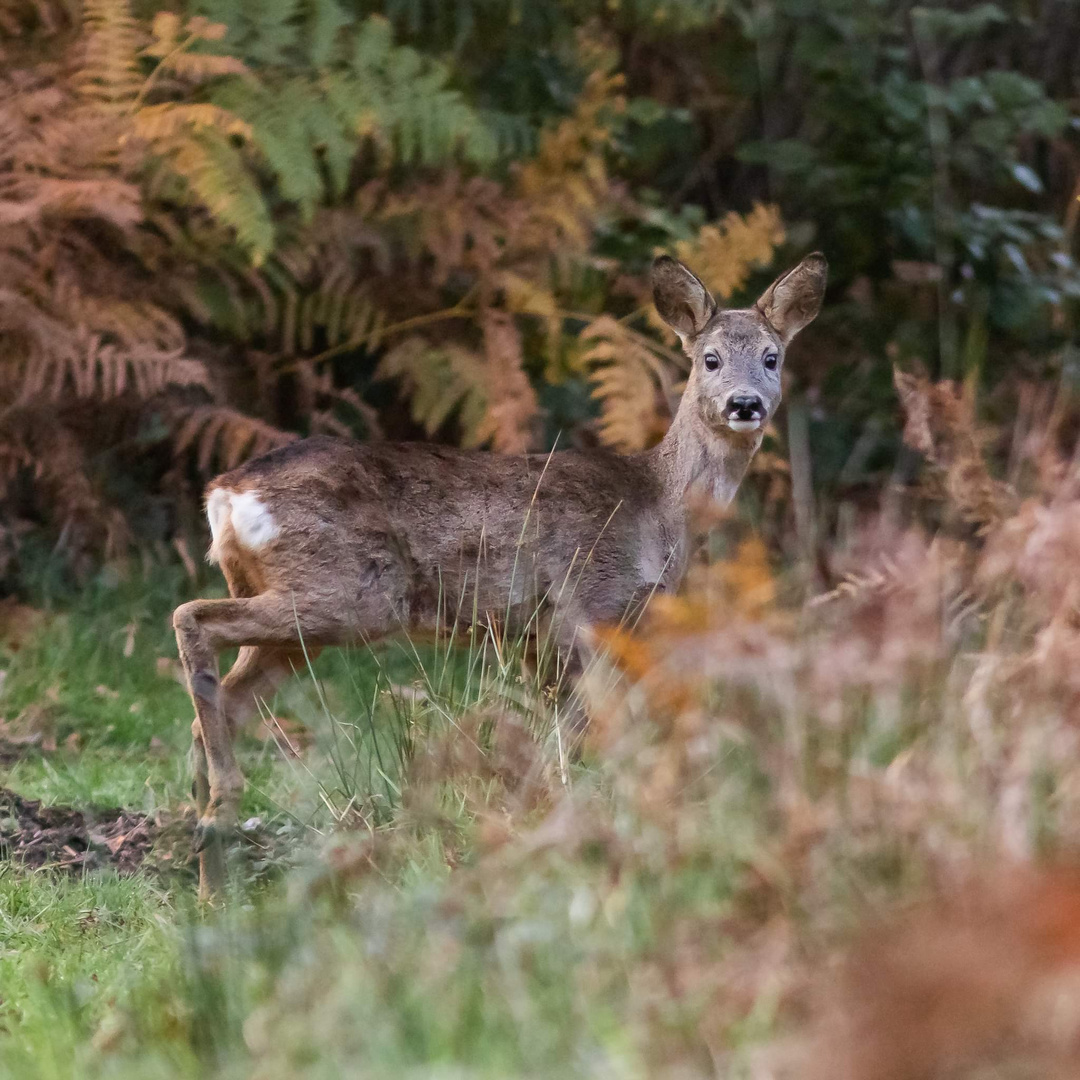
682,300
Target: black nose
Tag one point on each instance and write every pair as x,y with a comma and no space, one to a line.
748,407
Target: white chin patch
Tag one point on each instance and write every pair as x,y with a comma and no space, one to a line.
744,425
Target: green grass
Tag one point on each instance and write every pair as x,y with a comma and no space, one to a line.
71,953
103,974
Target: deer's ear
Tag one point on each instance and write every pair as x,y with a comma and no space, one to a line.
683,302
794,299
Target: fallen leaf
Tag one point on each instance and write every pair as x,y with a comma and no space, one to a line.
18,623
168,668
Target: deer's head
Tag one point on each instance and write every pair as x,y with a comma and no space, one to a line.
737,355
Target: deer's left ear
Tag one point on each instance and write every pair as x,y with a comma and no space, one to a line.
794,299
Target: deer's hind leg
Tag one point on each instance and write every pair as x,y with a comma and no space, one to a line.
259,670
275,626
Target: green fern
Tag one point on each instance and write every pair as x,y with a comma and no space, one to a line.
410,100
219,180
308,296
263,34
281,120
440,383
310,124
321,29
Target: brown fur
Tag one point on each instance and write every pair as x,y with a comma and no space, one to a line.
373,539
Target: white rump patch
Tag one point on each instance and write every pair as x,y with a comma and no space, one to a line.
217,513
252,522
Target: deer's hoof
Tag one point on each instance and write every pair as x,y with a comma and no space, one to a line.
208,833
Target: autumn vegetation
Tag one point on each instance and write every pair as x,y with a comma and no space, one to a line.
826,819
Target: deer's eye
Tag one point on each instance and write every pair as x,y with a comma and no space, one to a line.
712,361
770,361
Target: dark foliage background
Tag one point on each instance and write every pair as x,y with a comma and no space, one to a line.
224,224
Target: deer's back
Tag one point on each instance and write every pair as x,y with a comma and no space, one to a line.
428,526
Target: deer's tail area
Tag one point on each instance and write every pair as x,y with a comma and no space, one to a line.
241,525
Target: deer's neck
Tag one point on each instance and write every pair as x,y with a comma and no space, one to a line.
694,462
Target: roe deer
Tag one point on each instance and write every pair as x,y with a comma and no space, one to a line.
328,541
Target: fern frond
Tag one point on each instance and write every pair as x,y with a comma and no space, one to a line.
402,100
724,254
218,179
131,324
341,313
199,67
105,198
321,30
265,35
527,296
105,372
282,119
512,406
309,127
173,41
631,383
410,119
109,72
311,295
222,438
170,120
439,382
567,182
46,17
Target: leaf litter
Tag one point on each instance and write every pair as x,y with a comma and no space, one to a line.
61,837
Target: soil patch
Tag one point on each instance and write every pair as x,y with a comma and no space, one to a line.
68,839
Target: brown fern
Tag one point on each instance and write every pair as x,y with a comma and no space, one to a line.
631,382
511,401
940,424
221,438
81,323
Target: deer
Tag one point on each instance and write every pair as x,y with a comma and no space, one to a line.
329,541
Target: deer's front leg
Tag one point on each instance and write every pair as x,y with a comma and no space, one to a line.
211,858
218,783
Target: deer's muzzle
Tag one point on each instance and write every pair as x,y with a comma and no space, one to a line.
744,412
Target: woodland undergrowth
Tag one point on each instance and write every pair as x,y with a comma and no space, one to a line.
214,239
